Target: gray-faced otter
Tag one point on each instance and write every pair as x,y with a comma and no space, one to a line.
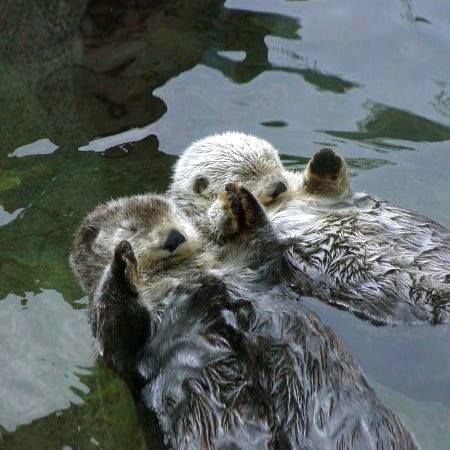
223,362
382,262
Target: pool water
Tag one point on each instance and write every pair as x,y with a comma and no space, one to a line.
97,100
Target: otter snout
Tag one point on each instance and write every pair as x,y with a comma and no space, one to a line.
174,240
279,189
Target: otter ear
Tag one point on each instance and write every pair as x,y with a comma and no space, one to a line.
200,184
89,232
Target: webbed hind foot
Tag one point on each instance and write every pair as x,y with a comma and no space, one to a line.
326,174
326,163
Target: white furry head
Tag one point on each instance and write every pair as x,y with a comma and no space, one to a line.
208,165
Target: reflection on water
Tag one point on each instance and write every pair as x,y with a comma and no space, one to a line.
40,147
385,122
97,99
45,346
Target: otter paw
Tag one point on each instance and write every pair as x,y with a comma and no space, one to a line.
232,199
125,261
242,205
124,253
125,264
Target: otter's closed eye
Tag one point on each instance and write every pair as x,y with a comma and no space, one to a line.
128,226
200,184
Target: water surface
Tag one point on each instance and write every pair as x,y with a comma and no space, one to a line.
98,98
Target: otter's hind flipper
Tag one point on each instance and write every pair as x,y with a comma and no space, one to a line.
326,175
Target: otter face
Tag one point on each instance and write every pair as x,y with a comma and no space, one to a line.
266,188
207,166
156,230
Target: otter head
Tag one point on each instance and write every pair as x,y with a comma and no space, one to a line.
326,175
158,232
208,165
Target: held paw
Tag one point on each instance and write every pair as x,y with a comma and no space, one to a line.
242,206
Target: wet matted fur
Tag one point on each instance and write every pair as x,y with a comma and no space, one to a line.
214,357
232,365
382,262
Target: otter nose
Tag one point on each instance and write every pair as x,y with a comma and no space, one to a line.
279,189
174,240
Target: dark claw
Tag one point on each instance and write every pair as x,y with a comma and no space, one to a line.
129,256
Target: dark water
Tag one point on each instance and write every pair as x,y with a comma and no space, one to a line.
97,99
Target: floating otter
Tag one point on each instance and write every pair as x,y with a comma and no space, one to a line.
216,360
209,164
380,261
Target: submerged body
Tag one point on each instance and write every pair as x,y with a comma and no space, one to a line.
380,261
219,359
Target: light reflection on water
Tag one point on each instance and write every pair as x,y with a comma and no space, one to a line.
131,88
45,346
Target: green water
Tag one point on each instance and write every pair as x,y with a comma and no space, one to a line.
97,99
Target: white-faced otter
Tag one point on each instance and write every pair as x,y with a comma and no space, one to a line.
382,262
261,170
223,362
207,165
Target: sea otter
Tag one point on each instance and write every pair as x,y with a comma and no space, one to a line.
214,358
382,262
207,165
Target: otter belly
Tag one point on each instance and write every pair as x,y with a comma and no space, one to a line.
224,370
377,260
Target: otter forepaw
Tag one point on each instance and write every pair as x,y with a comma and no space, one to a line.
243,206
125,251
232,200
125,263
124,255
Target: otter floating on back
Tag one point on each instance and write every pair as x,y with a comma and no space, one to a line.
380,261
215,360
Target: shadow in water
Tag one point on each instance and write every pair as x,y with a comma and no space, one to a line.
88,71
386,122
